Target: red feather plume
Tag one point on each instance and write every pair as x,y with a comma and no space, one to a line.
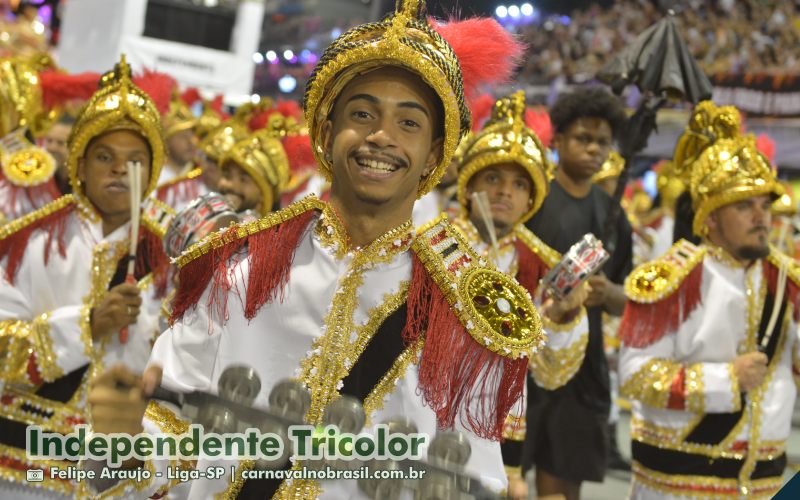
159,86
298,150
191,96
538,120
216,106
481,109
290,108
59,88
766,146
488,54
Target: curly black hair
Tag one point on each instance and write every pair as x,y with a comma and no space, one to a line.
592,102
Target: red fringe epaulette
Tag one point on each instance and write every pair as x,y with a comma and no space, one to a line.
662,294
454,370
270,243
792,291
15,235
151,257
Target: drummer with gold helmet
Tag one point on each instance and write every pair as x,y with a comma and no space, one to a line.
710,332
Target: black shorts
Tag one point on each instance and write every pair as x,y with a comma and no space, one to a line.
565,438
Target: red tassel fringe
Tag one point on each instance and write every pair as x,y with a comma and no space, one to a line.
792,292
459,378
271,255
15,245
531,268
644,324
150,257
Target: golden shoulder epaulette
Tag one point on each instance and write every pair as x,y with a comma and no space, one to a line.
240,231
777,258
496,310
656,280
537,246
30,218
191,174
156,216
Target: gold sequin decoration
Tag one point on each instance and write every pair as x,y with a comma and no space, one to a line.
651,384
552,368
701,486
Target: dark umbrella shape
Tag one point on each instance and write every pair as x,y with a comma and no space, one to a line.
660,65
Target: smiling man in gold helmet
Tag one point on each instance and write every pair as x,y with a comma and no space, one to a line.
63,299
346,296
507,162
711,330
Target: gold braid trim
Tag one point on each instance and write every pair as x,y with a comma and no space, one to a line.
651,384
191,174
778,258
377,396
552,368
28,219
18,341
674,438
537,246
240,231
702,486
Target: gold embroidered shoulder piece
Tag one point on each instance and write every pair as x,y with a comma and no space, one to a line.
240,231
537,246
31,218
191,174
778,258
496,310
156,216
657,280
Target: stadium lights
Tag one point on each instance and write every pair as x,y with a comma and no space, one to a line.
272,56
258,58
287,84
288,54
514,11
526,9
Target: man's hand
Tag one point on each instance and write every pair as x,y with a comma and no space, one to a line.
517,488
118,398
120,308
603,292
559,311
750,370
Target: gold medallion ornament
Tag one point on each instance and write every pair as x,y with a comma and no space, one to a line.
500,303
610,169
25,164
263,158
403,39
118,105
506,139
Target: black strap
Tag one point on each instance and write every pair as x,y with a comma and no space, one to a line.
677,462
376,360
715,427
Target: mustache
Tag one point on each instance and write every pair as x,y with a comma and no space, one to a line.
758,229
377,152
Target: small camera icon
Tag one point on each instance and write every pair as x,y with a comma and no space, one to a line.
34,475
